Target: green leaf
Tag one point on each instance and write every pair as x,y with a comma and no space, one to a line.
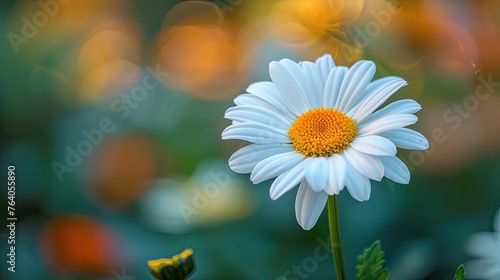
372,263
460,274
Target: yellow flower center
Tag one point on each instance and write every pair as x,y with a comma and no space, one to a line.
322,132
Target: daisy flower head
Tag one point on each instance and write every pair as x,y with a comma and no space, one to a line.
316,125
485,246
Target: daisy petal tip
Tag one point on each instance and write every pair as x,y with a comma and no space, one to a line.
366,63
326,58
363,198
358,199
399,80
405,181
273,65
426,145
307,227
286,60
232,165
366,197
224,134
306,223
402,180
329,191
273,196
252,178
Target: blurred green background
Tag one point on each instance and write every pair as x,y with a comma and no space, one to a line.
111,112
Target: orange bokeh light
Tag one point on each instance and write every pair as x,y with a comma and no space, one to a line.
317,27
124,165
437,38
76,244
200,52
317,18
203,60
108,60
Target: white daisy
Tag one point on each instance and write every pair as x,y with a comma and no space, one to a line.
315,125
485,246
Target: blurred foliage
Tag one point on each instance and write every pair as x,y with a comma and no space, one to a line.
128,97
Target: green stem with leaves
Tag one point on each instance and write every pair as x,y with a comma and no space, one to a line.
333,222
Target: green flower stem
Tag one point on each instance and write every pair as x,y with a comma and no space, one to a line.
333,222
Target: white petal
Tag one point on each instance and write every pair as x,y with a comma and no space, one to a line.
250,99
378,83
403,106
407,139
386,123
274,166
268,92
316,170
374,145
367,165
256,133
367,189
358,185
287,181
316,83
325,64
354,85
483,244
376,94
337,178
309,205
354,184
252,113
245,159
332,86
395,169
289,86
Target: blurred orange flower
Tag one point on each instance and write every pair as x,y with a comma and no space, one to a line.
428,29
321,25
199,51
78,244
124,165
108,60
